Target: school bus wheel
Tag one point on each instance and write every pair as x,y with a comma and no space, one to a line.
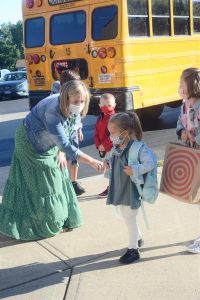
150,113
174,104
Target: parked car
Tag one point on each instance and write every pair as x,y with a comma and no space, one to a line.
14,85
3,72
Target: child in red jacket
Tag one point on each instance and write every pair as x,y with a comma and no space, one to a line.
101,134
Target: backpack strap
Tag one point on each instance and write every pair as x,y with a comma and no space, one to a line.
134,151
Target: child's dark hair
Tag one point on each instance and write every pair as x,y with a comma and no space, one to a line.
129,122
191,77
68,75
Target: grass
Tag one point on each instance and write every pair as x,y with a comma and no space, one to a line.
160,163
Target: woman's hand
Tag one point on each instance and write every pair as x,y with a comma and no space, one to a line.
128,170
97,165
62,162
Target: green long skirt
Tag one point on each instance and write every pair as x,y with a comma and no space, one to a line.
38,199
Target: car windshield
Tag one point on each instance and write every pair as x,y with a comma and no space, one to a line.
14,76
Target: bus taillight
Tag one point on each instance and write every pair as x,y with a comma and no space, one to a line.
36,58
29,59
38,73
104,69
102,52
111,52
29,3
38,3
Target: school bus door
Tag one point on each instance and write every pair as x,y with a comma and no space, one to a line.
70,50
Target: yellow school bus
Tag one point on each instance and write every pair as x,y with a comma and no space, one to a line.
134,49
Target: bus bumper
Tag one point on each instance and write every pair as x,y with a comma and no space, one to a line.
123,96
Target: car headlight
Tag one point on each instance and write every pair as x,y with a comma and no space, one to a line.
20,86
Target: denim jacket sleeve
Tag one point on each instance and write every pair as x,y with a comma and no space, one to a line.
57,131
146,164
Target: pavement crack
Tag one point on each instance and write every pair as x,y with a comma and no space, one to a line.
55,254
68,283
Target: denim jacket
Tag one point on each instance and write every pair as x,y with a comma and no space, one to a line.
146,164
194,119
47,127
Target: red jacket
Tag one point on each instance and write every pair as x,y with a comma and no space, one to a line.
101,133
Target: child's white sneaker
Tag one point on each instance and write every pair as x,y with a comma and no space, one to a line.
189,244
194,248
197,240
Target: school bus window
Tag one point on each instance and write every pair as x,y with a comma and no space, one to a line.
196,16
34,32
68,28
161,17
138,21
105,23
80,66
181,17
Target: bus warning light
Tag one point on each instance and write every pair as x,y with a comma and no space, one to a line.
111,51
29,59
38,3
29,3
36,58
102,53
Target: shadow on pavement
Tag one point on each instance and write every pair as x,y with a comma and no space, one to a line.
91,263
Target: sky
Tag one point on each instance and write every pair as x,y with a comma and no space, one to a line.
10,11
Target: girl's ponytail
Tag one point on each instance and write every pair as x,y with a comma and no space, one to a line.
136,125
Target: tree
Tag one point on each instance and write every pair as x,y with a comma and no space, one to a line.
11,45
17,36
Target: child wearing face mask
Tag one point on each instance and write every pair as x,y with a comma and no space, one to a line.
188,126
124,129
101,134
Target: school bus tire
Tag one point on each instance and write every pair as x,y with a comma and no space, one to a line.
150,113
174,104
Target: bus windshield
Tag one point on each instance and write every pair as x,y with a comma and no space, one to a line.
104,23
68,28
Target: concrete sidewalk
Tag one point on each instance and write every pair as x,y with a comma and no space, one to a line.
83,264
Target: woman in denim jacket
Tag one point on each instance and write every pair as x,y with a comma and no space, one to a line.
39,200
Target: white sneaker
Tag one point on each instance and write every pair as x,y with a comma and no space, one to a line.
197,240
189,244
194,248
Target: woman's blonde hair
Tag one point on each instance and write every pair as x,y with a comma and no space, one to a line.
70,89
191,77
128,122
